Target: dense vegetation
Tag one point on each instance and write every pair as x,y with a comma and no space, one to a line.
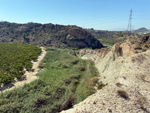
47,35
14,58
64,81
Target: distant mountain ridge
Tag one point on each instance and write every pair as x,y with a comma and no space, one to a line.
47,35
142,30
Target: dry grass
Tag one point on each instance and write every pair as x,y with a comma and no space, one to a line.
93,81
67,104
137,45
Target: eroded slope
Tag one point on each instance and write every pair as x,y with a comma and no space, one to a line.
128,78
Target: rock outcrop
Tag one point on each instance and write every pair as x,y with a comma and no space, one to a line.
128,82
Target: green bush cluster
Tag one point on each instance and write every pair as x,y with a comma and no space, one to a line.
14,58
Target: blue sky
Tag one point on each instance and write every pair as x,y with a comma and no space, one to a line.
97,14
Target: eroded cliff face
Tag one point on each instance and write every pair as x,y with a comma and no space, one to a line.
109,61
128,77
94,54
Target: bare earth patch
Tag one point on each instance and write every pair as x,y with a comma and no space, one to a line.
28,76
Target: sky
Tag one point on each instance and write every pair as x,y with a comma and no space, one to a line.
97,14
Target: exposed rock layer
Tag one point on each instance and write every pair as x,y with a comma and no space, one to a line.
128,78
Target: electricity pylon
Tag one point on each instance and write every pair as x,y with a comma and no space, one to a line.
129,28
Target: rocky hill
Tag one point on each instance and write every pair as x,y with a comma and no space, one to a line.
126,74
142,30
47,35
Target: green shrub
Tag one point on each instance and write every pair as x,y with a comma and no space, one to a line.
28,65
101,85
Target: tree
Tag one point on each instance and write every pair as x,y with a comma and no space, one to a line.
28,65
24,35
92,28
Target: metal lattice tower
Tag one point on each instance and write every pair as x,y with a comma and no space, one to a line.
129,28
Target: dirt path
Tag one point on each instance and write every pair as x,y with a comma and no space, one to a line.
28,76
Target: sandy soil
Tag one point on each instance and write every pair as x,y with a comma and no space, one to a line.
28,76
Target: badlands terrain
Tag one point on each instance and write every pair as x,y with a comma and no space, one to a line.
64,84
126,73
